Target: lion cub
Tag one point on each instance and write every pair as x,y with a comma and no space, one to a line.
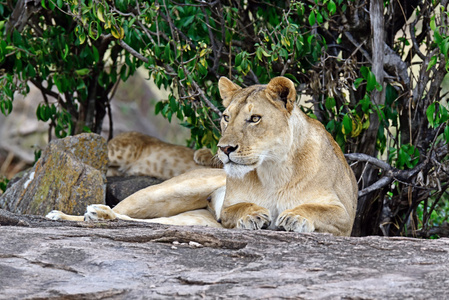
134,153
282,170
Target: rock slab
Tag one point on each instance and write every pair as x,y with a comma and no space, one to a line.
120,187
70,174
125,260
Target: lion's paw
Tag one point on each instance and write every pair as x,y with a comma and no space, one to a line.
289,221
55,215
256,220
203,157
99,212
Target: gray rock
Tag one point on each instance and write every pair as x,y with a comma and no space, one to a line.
120,187
70,175
129,260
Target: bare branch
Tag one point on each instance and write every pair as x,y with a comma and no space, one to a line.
384,181
414,42
370,159
133,52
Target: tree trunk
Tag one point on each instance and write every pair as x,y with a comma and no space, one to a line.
368,142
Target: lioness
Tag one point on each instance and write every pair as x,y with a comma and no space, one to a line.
283,171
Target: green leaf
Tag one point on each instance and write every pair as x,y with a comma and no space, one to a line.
93,30
347,125
38,112
58,83
6,106
60,132
442,114
403,158
312,19
409,155
444,46
432,62
330,103
433,25
43,112
65,52
51,5
378,87
319,17
202,69
30,71
100,13
391,95
173,104
95,54
82,38
265,53
331,7
17,38
188,21
259,53
365,72
238,59
371,82
330,126
82,72
159,106
430,114
357,82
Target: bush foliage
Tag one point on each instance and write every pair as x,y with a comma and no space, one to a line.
372,72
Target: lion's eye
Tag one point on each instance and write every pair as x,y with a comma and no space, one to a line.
255,119
226,118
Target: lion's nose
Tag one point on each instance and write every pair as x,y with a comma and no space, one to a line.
228,149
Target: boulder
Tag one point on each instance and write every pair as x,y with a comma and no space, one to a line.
70,174
120,187
42,259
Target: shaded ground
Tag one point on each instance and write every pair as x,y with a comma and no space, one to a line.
122,260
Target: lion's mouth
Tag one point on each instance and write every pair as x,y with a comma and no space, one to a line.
231,162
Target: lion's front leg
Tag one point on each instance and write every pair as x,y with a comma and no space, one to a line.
100,212
59,215
292,220
186,192
245,216
315,217
94,212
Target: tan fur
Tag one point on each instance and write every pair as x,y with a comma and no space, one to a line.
134,153
181,200
283,171
286,171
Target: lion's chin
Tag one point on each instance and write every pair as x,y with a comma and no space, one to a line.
237,170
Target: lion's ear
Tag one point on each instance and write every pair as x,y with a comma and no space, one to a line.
282,89
227,90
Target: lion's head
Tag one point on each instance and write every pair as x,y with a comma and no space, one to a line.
256,125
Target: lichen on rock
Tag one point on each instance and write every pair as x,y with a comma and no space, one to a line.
70,174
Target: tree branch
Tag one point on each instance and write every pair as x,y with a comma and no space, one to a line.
133,52
384,181
370,159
